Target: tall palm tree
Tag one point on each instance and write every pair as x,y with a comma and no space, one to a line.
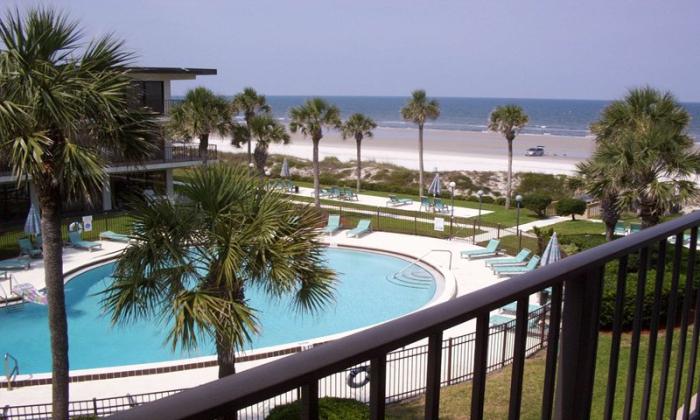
310,119
250,103
63,115
199,115
265,129
358,126
192,263
596,182
642,143
508,120
418,110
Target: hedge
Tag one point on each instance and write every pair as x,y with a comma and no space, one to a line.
328,409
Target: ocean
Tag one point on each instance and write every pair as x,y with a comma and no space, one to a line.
547,116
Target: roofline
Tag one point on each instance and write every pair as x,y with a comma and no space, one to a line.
172,70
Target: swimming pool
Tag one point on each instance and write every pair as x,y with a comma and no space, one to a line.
367,293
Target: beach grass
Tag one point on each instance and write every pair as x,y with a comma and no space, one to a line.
455,400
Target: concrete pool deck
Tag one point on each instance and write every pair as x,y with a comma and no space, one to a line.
467,276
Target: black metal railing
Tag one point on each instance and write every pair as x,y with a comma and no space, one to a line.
407,377
568,378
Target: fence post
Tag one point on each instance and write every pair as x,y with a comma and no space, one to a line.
579,341
449,361
474,232
520,240
543,320
498,233
505,344
378,218
415,225
94,406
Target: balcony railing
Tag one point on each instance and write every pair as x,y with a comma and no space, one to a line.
169,153
576,284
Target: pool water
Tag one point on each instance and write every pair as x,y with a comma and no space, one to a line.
367,293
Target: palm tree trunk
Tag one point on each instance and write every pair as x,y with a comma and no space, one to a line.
204,147
648,214
420,160
50,202
509,182
225,357
317,186
610,216
359,164
249,116
250,154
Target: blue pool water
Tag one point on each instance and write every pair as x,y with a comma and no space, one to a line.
367,293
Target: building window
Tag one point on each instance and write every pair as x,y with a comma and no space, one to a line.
150,95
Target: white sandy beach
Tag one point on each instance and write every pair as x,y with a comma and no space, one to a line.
443,149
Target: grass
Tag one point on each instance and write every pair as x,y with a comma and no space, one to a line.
455,400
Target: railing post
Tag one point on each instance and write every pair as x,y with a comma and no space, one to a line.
579,341
449,361
309,401
542,319
377,387
498,231
94,406
505,344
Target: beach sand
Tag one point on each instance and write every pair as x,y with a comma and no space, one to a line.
443,149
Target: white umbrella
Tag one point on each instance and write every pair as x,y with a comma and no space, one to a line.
284,173
32,225
552,253
434,188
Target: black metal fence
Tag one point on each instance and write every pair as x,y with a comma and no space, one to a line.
405,368
568,379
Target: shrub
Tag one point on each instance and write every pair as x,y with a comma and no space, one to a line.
570,207
537,203
328,409
546,184
501,201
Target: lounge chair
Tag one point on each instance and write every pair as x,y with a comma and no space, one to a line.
77,242
335,193
333,224
520,259
511,308
620,229
20,263
440,207
363,226
113,236
635,227
495,320
510,269
490,250
349,194
425,202
27,248
396,201
323,192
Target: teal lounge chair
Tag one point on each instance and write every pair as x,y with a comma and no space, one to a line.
635,227
363,226
425,202
323,192
21,263
349,194
491,249
333,224
396,201
27,248
335,193
620,229
511,308
113,236
440,207
495,320
77,242
520,259
510,269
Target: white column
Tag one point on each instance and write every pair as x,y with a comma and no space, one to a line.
169,187
106,194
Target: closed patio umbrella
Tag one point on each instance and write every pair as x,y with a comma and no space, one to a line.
284,173
434,188
32,225
552,253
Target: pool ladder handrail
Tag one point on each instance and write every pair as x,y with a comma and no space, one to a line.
10,374
415,262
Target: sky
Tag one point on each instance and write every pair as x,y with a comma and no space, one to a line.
592,49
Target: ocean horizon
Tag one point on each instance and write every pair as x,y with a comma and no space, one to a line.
561,117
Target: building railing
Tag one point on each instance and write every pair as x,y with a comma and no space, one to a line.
568,380
169,153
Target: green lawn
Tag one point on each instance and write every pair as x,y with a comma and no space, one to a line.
455,400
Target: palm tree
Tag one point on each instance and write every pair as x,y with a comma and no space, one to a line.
63,115
192,263
594,180
310,119
199,115
358,126
508,120
265,129
642,144
249,102
418,110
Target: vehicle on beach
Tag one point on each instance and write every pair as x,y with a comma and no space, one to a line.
535,151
